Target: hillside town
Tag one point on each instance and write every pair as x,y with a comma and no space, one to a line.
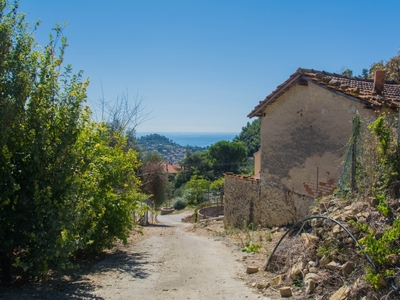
168,149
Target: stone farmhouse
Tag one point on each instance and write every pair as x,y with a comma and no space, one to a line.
306,124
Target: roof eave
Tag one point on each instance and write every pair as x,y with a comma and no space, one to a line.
258,110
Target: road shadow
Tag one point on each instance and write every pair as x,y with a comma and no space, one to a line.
119,262
123,262
76,284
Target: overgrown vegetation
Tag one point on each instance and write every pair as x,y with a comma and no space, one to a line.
377,176
67,184
369,207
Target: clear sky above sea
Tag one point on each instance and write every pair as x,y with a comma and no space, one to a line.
202,66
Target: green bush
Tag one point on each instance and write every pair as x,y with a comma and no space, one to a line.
179,204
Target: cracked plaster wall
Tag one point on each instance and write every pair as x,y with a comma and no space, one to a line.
304,135
303,139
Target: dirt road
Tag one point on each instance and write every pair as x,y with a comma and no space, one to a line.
173,264
169,262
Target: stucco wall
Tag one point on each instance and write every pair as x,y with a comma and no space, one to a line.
303,139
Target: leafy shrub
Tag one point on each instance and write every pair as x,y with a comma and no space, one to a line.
251,248
179,204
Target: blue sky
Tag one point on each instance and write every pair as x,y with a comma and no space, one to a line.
202,66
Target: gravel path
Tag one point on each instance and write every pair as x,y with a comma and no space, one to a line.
169,262
173,264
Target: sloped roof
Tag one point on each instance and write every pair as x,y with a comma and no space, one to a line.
171,168
357,89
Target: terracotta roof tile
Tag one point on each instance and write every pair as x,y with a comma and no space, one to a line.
358,89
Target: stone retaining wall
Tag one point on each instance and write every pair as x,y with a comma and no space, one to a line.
209,212
248,200
241,194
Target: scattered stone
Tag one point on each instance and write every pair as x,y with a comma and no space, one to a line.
311,263
277,280
285,291
310,286
313,270
251,269
262,285
309,239
341,294
364,214
333,266
320,231
362,220
349,241
312,276
347,268
296,269
323,261
336,229
356,283
314,211
316,222
275,229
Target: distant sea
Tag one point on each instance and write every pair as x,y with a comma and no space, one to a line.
200,139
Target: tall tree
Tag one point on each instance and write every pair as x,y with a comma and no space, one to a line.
250,136
392,68
154,177
347,73
227,156
195,189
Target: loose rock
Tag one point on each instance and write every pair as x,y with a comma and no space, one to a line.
251,269
285,291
